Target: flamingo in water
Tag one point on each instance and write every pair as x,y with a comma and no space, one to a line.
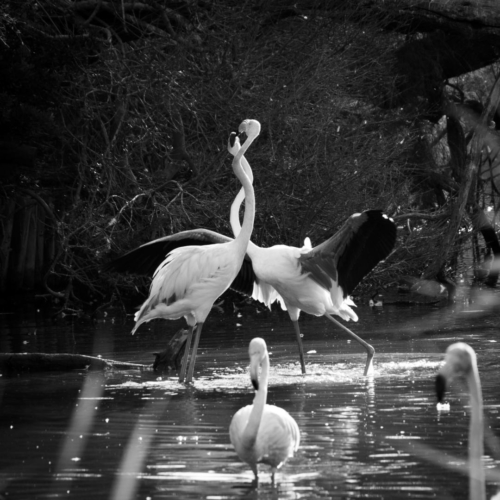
262,433
319,280
189,279
316,280
460,362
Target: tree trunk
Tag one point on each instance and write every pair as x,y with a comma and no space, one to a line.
6,247
42,218
482,224
465,197
29,268
22,221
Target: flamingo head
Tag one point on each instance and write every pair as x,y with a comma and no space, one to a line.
258,352
459,360
249,127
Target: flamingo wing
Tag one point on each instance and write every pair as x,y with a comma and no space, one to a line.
278,436
350,254
146,259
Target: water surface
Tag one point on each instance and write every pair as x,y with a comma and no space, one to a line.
135,434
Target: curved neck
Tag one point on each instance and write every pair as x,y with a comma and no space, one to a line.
259,402
235,207
476,437
247,193
234,218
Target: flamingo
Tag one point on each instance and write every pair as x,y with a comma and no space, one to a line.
319,280
189,280
460,362
262,433
315,280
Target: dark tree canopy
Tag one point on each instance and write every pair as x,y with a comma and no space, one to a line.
116,114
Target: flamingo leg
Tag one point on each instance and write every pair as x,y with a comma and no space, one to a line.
369,348
182,373
255,482
255,471
193,354
299,343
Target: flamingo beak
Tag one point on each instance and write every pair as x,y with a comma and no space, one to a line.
440,387
232,138
254,373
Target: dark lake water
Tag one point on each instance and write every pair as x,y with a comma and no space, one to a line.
136,435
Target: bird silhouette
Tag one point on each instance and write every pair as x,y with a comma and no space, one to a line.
460,362
316,280
188,279
262,433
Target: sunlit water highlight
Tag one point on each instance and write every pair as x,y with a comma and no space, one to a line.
86,435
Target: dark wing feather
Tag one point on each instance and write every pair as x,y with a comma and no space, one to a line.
350,254
145,259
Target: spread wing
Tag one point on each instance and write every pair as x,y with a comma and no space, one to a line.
145,259
350,254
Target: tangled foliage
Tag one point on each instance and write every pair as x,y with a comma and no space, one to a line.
131,111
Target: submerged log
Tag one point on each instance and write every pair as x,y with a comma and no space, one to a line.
166,361
171,358
43,362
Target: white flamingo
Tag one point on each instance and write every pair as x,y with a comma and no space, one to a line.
188,281
262,433
315,280
319,280
460,362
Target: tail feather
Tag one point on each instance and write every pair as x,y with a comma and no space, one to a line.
267,294
346,313
146,314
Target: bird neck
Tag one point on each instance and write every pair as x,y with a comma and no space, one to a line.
476,437
259,403
234,218
243,236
